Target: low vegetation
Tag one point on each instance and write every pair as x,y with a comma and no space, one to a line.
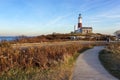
110,58
63,37
50,62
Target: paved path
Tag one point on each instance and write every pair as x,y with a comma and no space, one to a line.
88,67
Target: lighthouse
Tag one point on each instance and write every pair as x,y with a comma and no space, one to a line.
80,29
79,22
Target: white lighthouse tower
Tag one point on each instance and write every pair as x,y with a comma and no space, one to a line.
79,22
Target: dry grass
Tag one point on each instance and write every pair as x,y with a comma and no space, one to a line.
51,62
110,58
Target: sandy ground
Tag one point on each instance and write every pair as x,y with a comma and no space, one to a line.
88,67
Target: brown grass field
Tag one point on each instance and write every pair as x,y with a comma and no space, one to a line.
43,61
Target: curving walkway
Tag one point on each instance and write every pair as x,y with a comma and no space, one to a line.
88,67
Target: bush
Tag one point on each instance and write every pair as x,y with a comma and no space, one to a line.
41,57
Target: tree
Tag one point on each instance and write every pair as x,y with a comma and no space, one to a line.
117,34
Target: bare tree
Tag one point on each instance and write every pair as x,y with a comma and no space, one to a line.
117,34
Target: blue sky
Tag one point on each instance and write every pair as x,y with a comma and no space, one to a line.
37,17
